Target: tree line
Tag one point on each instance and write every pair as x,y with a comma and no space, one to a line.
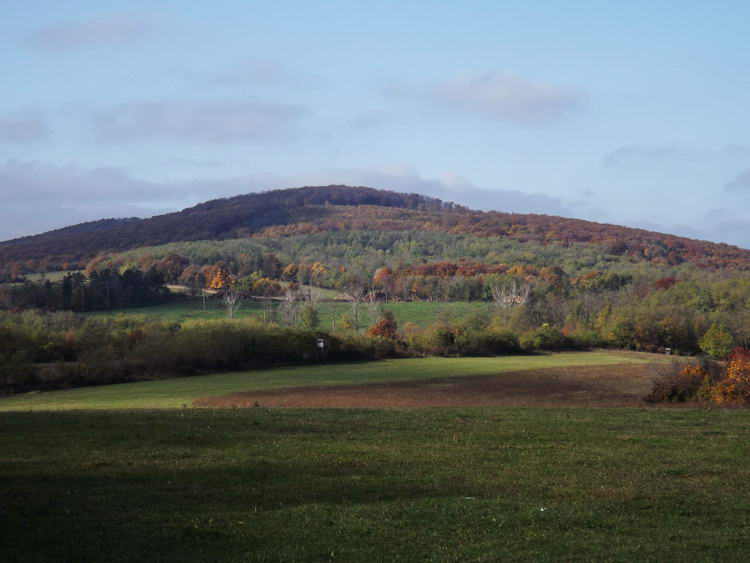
97,290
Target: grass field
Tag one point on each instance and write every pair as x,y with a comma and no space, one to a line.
420,313
135,483
382,485
180,392
51,276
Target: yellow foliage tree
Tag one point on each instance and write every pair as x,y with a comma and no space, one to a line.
221,280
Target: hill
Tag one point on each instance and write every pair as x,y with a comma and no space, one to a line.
308,210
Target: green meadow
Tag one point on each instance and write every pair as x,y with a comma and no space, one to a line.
375,485
132,472
421,313
180,392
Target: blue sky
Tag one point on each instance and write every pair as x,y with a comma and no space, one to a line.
632,113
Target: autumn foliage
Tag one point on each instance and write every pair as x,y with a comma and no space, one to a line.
342,208
385,328
707,382
734,389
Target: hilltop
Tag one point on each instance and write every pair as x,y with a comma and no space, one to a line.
308,210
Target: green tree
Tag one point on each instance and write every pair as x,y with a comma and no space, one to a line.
717,341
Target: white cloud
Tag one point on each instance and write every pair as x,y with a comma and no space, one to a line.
669,153
502,97
622,155
256,73
369,120
48,185
213,121
102,31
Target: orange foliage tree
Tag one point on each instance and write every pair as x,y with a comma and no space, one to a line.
735,387
384,328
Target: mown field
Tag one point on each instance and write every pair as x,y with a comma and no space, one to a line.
110,477
420,313
180,392
375,485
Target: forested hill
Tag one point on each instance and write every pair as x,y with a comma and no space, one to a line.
224,218
334,208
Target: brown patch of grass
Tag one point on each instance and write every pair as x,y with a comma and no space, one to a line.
620,385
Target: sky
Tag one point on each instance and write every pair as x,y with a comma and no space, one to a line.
633,113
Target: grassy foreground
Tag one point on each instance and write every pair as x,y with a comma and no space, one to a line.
349,485
180,392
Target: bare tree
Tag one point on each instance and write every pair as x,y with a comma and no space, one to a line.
268,310
508,295
232,299
374,308
288,310
404,287
313,296
308,313
355,295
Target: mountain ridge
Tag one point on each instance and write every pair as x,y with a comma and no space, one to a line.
311,209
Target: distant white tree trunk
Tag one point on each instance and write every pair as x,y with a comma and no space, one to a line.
373,307
288,309
509,295
232,300
313,296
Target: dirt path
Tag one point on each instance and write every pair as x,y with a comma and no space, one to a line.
612,386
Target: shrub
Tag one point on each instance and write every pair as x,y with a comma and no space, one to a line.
487,343
16,370
621,334
545,337
436,340
310,317
677,382
98,350
583,339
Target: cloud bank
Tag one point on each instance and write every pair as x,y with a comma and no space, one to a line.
740,183
25,128
39,195
47,185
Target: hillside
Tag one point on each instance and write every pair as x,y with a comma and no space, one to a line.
307,210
